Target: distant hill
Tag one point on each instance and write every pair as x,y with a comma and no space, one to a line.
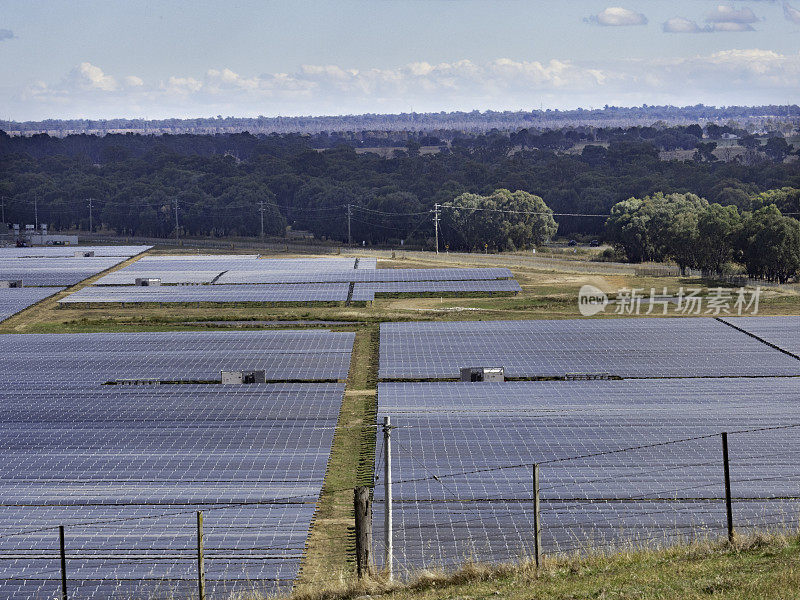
473,122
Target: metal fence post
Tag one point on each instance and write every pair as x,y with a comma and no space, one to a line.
387,490
201,568
728,503
537,522
63,562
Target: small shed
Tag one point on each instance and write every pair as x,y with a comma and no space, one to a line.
148,281
483,374
11,283
236,377
84,253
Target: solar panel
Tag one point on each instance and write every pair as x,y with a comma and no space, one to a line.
362,275
69,251
315,292
13,300
124,469
100,357
783,332
677,347
609,474
54,271
367,291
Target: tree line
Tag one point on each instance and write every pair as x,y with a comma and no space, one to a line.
706,235
223,184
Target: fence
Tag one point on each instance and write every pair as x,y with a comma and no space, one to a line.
651,494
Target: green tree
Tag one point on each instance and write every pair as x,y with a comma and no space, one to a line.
770,245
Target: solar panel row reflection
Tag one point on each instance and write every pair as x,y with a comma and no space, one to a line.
315,292
367,291
685,347
13,300
89,456
462,433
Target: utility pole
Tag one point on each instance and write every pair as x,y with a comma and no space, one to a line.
349,214
261,202
36,211
436,224
387,492
176,219
3,200
90,216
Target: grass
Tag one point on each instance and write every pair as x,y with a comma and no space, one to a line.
754,567
331,546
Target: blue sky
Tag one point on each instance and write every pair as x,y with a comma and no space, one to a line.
99,59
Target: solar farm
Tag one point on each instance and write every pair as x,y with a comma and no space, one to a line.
125,467
123,430
48,270
250,279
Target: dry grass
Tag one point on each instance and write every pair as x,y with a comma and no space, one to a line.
755,566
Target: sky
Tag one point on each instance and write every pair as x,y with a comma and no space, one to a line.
174,58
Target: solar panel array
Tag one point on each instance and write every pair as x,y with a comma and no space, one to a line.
232,268
364,275
55,271
463,455
189,356
301,292
783,332
13,300
367,291
125,467
678,347
69,251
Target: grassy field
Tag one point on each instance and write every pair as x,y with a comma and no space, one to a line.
756,568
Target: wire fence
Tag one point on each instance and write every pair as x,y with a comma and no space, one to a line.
444,513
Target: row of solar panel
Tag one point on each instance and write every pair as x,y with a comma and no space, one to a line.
96,358
253,458
677,347
54,271
610,468
70,251
13,300
311,292
367,291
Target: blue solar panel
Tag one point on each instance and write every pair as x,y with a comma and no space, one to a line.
609,473
13,300
100,357
678,347
124,469
54,271
314,292
367,291
783,332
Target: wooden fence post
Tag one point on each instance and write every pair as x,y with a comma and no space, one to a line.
363,511
537,522
728,503
62,547
201,567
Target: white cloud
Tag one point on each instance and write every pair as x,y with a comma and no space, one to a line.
731,26
792,14
734,76
182,85
616,16
90,77
133,81
681,25
725,13
6,34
